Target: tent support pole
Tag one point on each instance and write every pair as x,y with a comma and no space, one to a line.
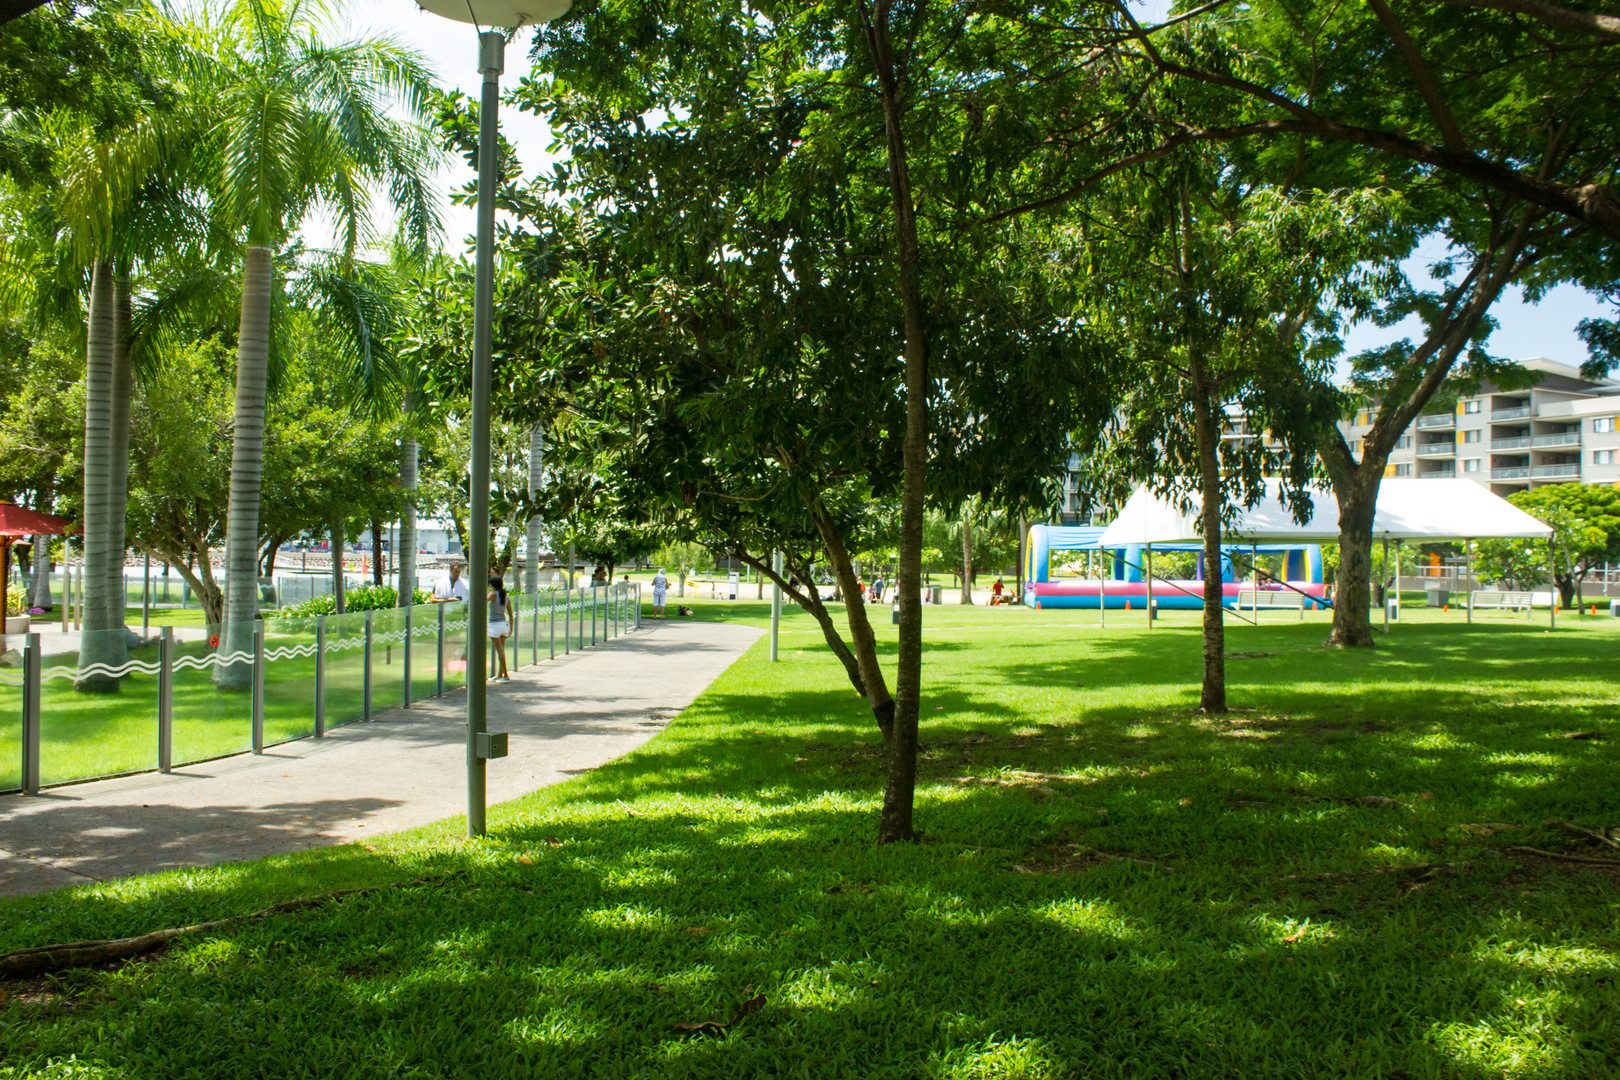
1468,577
1104,558
1149,576
1385,596
1552,561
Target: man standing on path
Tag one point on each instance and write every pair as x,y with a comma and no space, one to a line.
451,588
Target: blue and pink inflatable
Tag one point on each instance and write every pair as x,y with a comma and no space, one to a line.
1122,582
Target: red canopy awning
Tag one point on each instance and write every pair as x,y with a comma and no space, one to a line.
20,521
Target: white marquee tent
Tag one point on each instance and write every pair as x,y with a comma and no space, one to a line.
1422,511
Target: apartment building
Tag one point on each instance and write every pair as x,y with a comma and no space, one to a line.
1565,429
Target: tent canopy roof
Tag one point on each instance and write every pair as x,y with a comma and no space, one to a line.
1425,511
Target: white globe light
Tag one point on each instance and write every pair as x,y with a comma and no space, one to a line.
498,12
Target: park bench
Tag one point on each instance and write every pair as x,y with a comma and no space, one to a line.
1255,599
1495,598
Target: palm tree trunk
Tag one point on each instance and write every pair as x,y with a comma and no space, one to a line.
247,467
376,552
407,519
100,345
123,386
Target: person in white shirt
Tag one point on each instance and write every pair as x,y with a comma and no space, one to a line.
451,588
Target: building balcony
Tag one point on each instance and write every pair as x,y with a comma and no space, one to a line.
1552,472
1567,438
1442,472
1437,449
1517,472
1437,420
1522,443
1518,412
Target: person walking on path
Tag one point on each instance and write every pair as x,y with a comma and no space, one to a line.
660,590
500,625
451,588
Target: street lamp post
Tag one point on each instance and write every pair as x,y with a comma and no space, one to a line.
481,746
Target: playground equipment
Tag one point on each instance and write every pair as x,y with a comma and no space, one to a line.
1119,580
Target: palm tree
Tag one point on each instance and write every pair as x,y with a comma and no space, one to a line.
301,124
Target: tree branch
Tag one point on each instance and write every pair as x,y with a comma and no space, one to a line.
1450,133
1561,18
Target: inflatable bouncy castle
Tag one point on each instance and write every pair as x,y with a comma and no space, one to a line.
1121,582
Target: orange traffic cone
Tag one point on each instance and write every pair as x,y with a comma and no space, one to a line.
1445,607
1127,603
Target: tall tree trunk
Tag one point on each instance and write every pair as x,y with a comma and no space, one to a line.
247,467
899,793
96,644
123,387
376,552
407,519
1212,699
1018,573
337,564
967,553
860,627
43,564
537,481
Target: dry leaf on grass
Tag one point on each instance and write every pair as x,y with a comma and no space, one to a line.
1582,735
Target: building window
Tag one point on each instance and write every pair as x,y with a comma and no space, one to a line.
1468,436
1403,443
1398,470
1470,406
1471,464
1603,423
1603,457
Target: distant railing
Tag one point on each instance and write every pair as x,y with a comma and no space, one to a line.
87,710
1520,443
1518,412
1436,449
1433,420
1517,472
1442,471
1565,438
1547,471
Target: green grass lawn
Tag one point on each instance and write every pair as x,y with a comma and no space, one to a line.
1109,884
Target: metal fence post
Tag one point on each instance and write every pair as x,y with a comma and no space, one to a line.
166,700
258,687
409,622
30,718
320,676
534,631
568,631
553,624
366,683
593,614
440,665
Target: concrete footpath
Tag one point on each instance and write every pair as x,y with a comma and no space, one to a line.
405,768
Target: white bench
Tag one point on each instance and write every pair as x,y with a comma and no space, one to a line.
1255,599
1492,598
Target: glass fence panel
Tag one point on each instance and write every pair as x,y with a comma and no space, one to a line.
455,645
289,679
213,691
345,668
387,659
11,697
98,707
425,651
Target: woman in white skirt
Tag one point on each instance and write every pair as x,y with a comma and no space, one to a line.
500,625
660,590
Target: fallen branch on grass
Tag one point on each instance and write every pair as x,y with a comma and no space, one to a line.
45,959
1605,837
1591,860
1422,871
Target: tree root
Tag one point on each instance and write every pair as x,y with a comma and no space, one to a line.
1421,871
45,959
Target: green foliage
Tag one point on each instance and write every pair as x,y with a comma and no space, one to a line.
1586,531
365,598
683,557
